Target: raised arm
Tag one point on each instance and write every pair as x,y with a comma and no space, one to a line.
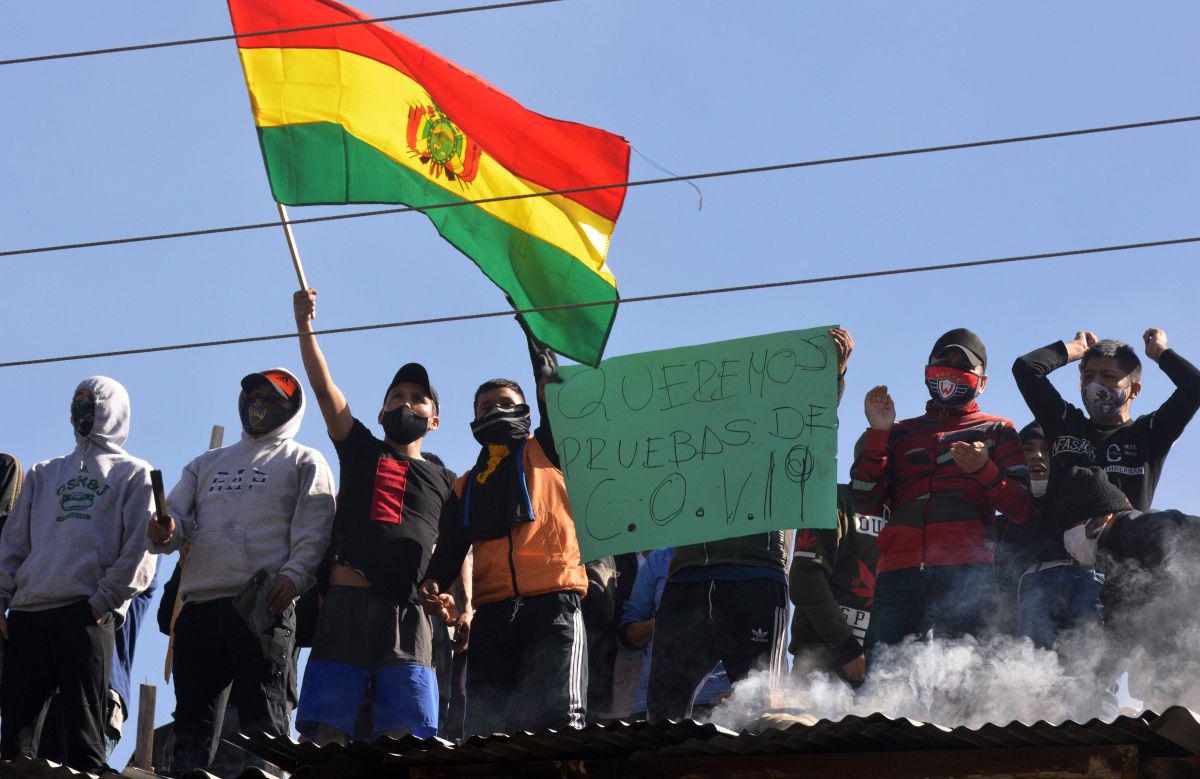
545,371
1172,416
334,407
871,473
1032,375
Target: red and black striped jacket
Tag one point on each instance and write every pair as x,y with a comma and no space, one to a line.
940,515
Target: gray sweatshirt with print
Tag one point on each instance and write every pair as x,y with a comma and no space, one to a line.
262,503
78,529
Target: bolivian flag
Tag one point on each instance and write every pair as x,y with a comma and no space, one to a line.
361,114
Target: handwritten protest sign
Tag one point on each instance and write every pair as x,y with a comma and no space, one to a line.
699,443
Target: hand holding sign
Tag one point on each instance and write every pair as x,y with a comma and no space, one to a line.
700,443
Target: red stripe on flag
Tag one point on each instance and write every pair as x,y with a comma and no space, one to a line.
548,152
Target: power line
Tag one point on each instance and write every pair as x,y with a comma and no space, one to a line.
235,36
615,185
624,301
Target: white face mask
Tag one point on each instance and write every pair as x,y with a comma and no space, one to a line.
1037,487
1102,401
1080,546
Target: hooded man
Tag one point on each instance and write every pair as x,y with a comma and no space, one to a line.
72,557
528,659
943,475
1131,451
256,516
1150,561
373,648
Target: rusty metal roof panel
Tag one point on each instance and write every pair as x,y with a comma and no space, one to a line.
1175,733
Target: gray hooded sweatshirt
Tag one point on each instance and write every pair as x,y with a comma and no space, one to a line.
78,529
262,503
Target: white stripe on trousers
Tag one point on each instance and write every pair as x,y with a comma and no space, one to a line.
578,658
778,647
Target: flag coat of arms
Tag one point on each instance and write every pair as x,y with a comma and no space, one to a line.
362,114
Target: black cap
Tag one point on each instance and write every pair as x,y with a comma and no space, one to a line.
415,373
965,341
1032,430
1087,493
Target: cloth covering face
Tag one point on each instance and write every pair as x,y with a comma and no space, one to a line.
1132,454
264,502
78,528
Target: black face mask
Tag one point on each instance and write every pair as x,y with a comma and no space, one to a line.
261,415
83,416
402,426
502,425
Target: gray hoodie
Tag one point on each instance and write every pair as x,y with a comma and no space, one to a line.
78,529
263,502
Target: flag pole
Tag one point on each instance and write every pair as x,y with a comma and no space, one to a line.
291,242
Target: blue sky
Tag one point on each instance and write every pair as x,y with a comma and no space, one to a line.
162,140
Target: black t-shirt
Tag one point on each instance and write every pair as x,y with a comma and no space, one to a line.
388,508
1131,454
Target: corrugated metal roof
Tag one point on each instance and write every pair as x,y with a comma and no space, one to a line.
1176,733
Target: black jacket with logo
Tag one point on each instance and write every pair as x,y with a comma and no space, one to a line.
1147,559
1131,454
832,582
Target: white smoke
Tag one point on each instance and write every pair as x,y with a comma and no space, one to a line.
1002,678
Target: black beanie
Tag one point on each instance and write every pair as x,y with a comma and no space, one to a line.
1087,493
1031,431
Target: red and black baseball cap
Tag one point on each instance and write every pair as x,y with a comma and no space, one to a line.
964,341
281,381
415,373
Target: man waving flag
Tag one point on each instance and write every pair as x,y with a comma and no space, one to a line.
362,114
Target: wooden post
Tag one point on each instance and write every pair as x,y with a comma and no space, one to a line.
217,438
291,242
143,751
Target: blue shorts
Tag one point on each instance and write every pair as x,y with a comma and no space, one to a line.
372,655
403,697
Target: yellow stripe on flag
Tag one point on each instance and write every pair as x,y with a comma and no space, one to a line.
372,101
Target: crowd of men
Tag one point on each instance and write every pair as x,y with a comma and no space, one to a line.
446,604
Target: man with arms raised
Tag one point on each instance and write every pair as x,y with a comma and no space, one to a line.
371,634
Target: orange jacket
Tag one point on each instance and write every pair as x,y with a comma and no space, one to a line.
535,557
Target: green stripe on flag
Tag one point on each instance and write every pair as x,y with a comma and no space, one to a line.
322,164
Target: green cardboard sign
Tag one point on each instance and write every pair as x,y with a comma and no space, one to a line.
699,443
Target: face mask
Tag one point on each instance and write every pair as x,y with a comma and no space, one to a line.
402,426
951,387
1080,546
1037,487
83,416
1102,401
260,416
502,425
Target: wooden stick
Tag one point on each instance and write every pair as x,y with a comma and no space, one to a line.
215,440
143,751
291,242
